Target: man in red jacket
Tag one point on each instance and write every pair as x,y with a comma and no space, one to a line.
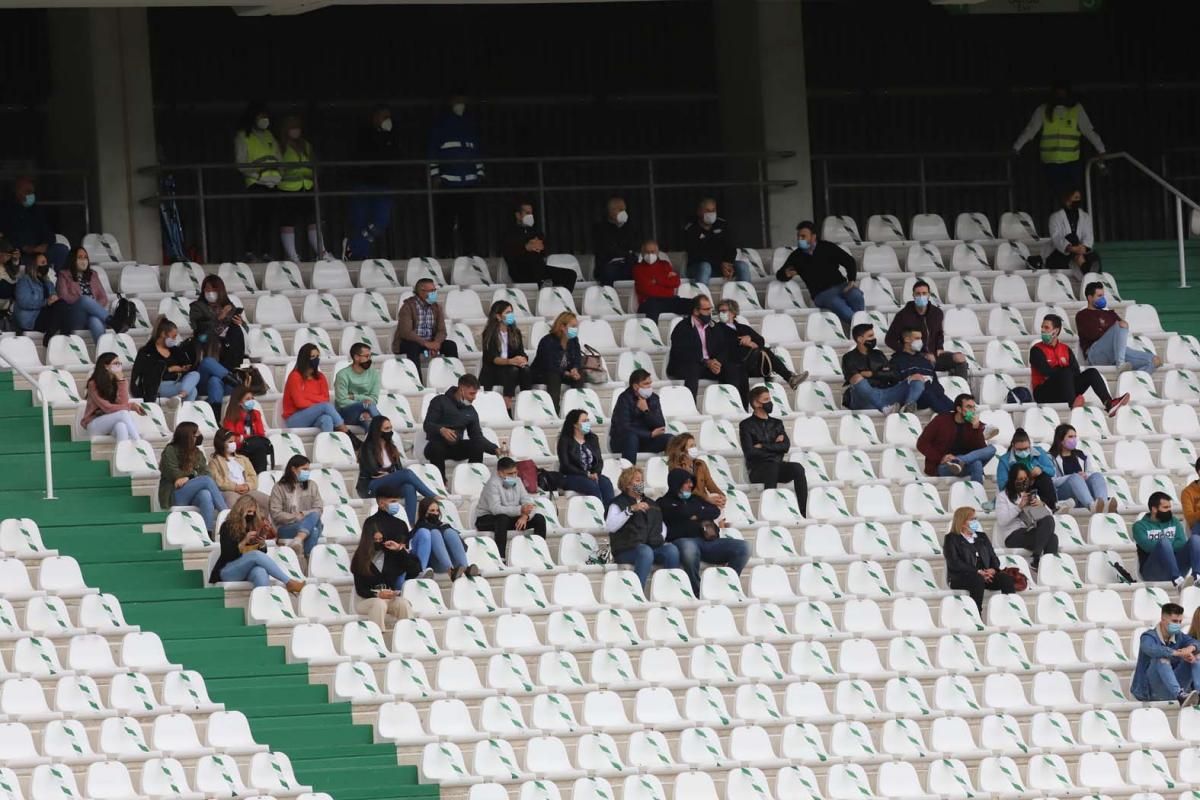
1056,376
1103,335
657,284
955,443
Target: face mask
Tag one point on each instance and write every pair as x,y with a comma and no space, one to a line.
510,319
231,447
918,345
869,344
802,245
510,482
709,217
768,407
693,452
115,369
1101,301
1022,485
250,405
304,475
921,300
1047,338
251,518
622,217
393,509
638,488
172,341
459,109
685,494
29,200
1020,454
386,435
585,427
1163,516
263,123
433,514
572,333
1174,628
293,133
975,526
431,297
202,337
969,415
386,125
645,394
705,319
315,363
211,297
723,318
649,258
1071,442
527,220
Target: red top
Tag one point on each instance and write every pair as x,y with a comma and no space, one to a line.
1056,357
245,424
654,280
299,394
1091,324
946,436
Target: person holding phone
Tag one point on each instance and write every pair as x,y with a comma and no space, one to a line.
694,527
243,538
381,563
1023,520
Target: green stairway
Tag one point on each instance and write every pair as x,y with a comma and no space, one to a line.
1148,272
98,521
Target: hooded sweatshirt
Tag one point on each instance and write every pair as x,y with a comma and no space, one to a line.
682,517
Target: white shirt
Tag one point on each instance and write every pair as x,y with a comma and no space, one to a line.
617,518
236,473
384,461
1060,228
1039,117
504,344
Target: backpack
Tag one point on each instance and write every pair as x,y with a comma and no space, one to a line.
124,316
1019,394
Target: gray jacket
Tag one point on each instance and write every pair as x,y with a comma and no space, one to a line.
496,498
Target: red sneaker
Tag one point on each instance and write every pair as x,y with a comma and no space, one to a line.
1077,402
1116,403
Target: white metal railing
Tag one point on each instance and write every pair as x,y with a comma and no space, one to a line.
45,403
1180,199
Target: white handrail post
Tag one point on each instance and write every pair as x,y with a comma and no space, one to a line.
1183,284
46,445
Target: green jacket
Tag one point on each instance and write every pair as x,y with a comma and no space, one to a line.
168,467
352,387
1147,531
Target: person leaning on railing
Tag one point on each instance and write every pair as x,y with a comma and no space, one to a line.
255,144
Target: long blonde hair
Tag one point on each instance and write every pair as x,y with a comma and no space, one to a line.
961,516
559,328
676,453
237,517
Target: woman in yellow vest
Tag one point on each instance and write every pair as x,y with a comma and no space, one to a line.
1062,121
254,144
298,184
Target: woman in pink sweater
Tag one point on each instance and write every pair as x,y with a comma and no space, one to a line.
109,410
80,288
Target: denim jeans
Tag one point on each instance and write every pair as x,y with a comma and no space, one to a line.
310,523
185,385
87,313
1168,677
402,483
582,484
1084,491
643,557
841,302
256,567
420,544
121,425
369,218
1111,350
864,396
634,444
203,493
213,373
321,415
1164,563
692,550
703,271
443,550
972,463
352,414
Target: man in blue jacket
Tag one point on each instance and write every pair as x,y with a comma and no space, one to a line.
692,527
456,165
637,420
1168,661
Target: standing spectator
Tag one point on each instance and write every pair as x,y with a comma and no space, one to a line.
504,360
26,228
827,270
910,364
1189,498
1024,453
710,248
257,152
38,306
380,470
452,428
10,270
297,184
749,349
682,453
1166,551
636,533
692,527
421,326
656,285
579,458
955,443
184,479
456,166
524,252
217,327
1072,480
306,401
1023,520
559,358
637,421
394,544
378,565
243,554
1056,375
920,314
1104,336
87,303
1071,236
295,506
235,476
1168,662
765,445
698,352
356,388
1061,120
244,420
162,368
370,214
614,245
971,561
870,380
447,552
504,505
109,411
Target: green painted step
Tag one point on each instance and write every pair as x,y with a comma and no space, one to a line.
1148,272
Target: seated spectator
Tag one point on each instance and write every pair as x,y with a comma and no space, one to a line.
505,505
614,244
1166,551
356,388
10,273
710,248
392,551
1104,336
504,360
162,368
446,550
37,306
87,303
380,470
765,445
750,349
306,400
24,224
699,352
184,478
217,326
637,421
971,561
108,410
636,533
682,453
1071,236
827,270
1189,498
295,506
579,458
452,428
524,253
559,358
244,420
1023,452
243,554
871,383
1023,520
692,527
920,314
909,364
1168,662
1072,479
1056,376
656,284
421,327
955,443
235,475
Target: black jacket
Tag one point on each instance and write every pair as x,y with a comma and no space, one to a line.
729,341
230,551
369,466
905,364
686,350
684,518
714,245
395,562
445,412
150,370
822,268
523,266
753,430
611,242
628,418
855,362
549,357
929,324
570,459
642,527
964,558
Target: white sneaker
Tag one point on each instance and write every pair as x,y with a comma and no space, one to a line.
990,432
1178,584
1063,506
890,409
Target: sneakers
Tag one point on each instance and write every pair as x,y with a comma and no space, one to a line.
1098,507
1116,403
955,468
1178,583
1077,402
426,573
888,410
472,571
909,408
797,379
1188,699
294,587
1124,367
1063,506
990,432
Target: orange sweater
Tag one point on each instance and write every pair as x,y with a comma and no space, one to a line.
1190,498
299,394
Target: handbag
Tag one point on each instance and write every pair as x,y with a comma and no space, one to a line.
1020,582
593,366
1032,515
260,452
758,363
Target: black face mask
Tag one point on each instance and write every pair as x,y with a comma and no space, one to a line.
314,363
768,407
250,518
386,435
1163,516
705,319
870,344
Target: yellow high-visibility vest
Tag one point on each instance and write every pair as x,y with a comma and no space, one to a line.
1060,136
261,146
296,179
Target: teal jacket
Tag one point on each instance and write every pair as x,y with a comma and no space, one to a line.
1038,458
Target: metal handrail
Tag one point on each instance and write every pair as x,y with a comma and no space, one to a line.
1180,199
45,403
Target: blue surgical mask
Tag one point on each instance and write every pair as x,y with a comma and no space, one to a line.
1021,454
510,482
393,509
572,333
685,494
585,426
1101,301
29,200
202,337
975,526
250,405
431,297
921,300
1174,628
510,318
802,245
304,475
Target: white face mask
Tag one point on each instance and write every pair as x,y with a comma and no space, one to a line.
230,448
172,341
114,369
459,109
293,133
724,318
622,217
527,220
709,217
649,258
211,296
693,452
263,123
918,345
386,125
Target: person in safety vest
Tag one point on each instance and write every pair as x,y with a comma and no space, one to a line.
1062,121
297,182
1056,376
455,163
256,151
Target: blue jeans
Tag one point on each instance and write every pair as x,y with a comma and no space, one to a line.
1112,350
87,313
256,567
1168,677
420,544
352,414
401,483
1084,491
444,549
864,396
619,269
321,415
213,373
841,302
702,271
692,550
582,484
1164,563
186,384
972,463
203,493
310,523
643,557
369,218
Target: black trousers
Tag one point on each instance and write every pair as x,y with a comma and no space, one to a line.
974,583
772,473
438,451
509,378
1044,486
260,220
731,374
1038,540
1057,260
555,381
1063,386
556,275
654,307
413,351
945,363
753,359
500,525
454,224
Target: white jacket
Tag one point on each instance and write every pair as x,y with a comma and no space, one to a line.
1060,229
